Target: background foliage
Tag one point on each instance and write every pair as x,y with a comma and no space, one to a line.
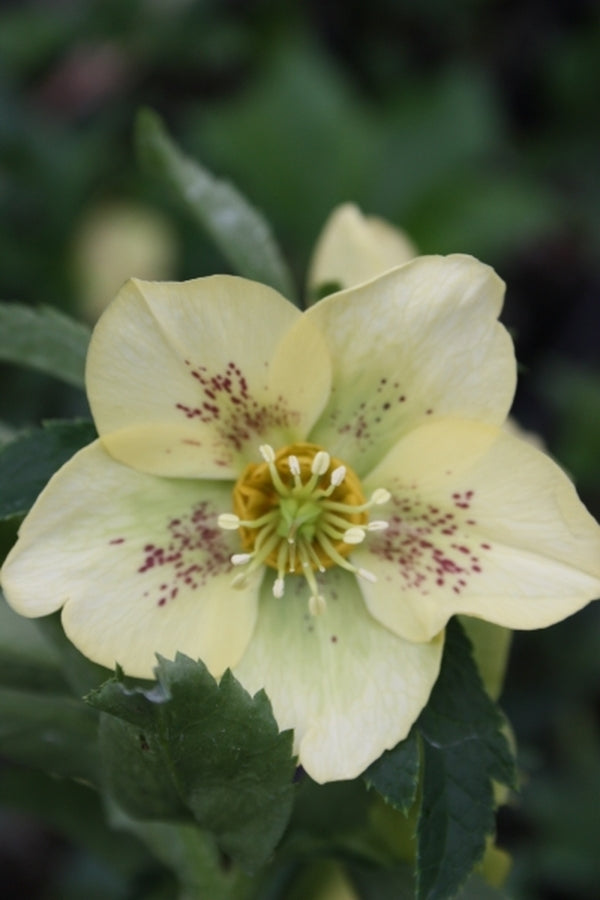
471,124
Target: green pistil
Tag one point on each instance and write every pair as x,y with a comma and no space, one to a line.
303,520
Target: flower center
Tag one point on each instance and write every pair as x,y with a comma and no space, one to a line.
300,511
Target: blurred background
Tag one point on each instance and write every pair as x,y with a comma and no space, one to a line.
472,124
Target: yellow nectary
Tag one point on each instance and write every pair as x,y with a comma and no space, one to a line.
300,511
308,501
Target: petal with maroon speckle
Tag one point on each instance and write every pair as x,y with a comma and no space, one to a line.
482,523
138,563
179,376
421,341
348,687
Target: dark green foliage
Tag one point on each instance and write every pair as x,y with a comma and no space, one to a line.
192,745
28,462
464,752
240,232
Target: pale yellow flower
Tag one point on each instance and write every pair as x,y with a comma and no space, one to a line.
353,248
305,498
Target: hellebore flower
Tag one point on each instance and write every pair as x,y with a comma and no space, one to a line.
305,498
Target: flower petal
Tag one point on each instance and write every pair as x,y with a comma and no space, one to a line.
138,562
420,341
353,248
482,523
348,687
179,377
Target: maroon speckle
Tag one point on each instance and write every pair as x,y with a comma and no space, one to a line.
334,639
194,551
430,546
117,541
225,400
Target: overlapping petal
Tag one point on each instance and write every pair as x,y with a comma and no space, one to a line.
138,564
179,376
349,687
353,248
419,342
481,523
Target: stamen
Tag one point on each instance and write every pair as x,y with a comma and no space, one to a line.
267,453
368,576
354,535
377,525
229,522
334,554
379,496
300,511
320,463
317,564
240,559
338,475
316,604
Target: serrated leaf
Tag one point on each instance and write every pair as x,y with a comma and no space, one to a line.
27,464
44,339
219,749
464,751
53,733
395,774
137,777
237,228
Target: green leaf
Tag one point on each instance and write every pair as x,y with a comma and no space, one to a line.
477,888
26,660
383,883
50,732
44,339
133,758
239,230
395,775
464,751
206,747
189,852
27,464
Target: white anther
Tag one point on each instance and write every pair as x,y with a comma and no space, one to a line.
228,521
294,465
320,463
379,496
354,535
239,581
267,453
377,525
240,559
278,588
368,576
338,475
316,605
